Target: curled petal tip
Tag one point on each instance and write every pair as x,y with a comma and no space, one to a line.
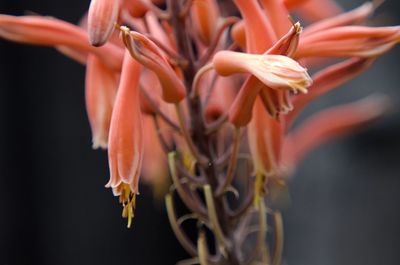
99,144
113,183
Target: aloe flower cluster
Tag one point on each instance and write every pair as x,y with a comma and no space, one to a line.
197,98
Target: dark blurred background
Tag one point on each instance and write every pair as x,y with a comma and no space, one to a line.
54,208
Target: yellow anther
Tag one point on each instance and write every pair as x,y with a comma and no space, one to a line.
128,200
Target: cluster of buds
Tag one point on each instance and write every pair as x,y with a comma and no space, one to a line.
199,96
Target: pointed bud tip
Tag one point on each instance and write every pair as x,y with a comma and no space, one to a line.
97,42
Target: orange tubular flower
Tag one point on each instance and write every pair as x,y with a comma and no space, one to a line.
53,32
357,41
125,147
101,19
151,56
101,87
275,100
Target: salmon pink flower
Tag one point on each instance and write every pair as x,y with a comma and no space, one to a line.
347,41
275,71
53,32
275,101
100,89
125,144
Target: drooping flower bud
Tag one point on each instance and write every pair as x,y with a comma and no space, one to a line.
103,15
151,56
